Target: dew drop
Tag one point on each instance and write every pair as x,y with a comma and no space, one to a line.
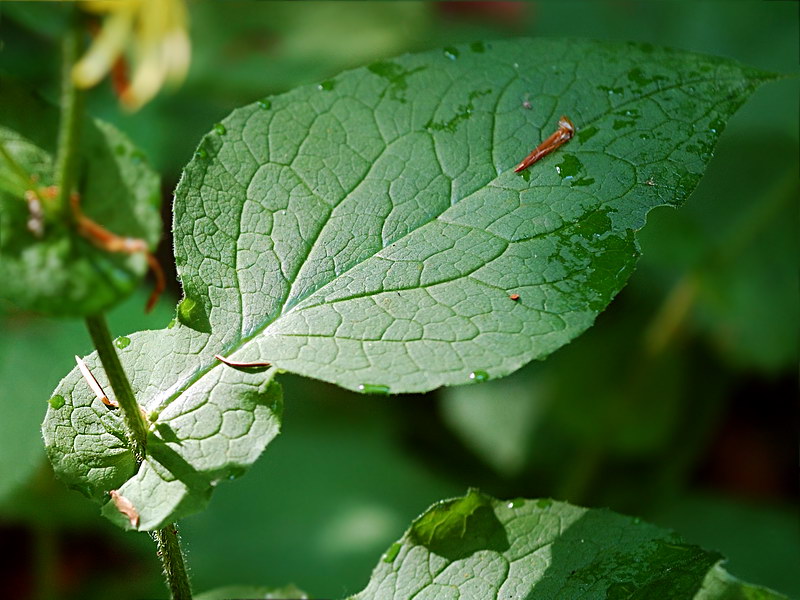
477,47
479,376
171,324
544,503
526,175
373,388
392,552
201,153
57,401
122,342
137,157
264,104
516,503
120,149
326,85
220,128
451,53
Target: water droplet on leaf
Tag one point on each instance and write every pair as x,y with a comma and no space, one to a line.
220,128
57,401
477,47
264,104
451,53
544,503
479,376
372,388
392,552
327,85
122,342
569,166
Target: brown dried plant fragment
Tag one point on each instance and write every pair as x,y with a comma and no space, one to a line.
111,242
242,365
94,385
126,507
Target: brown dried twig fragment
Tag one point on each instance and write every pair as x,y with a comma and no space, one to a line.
111,242
126,507
94,385
242,365
562,135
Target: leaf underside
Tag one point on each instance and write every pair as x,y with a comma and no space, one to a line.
62,273
370,232
480,548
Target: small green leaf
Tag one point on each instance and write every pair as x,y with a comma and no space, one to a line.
193,444
35,352
62,273
535,549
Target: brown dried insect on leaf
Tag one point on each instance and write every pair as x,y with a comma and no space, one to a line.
561,136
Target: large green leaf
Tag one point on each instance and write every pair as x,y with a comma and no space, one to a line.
479,548
369,232
62,273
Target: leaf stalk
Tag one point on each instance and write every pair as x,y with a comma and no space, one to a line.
131,413
169,551
67,153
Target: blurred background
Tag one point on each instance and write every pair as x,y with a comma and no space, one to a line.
679,406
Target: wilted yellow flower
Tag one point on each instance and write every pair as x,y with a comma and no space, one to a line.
155,33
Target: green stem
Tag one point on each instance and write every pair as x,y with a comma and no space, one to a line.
169,550
69,128
166,539
67,158
131,413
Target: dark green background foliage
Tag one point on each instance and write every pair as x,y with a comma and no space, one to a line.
675,406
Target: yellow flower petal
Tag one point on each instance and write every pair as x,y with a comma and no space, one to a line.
105,49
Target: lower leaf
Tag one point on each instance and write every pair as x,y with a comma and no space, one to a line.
480,548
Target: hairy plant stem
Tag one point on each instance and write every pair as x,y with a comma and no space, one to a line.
69,128
131,413
169,550
67,160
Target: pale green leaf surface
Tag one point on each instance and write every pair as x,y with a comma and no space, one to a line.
211,430
63,274
479,548
369,231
